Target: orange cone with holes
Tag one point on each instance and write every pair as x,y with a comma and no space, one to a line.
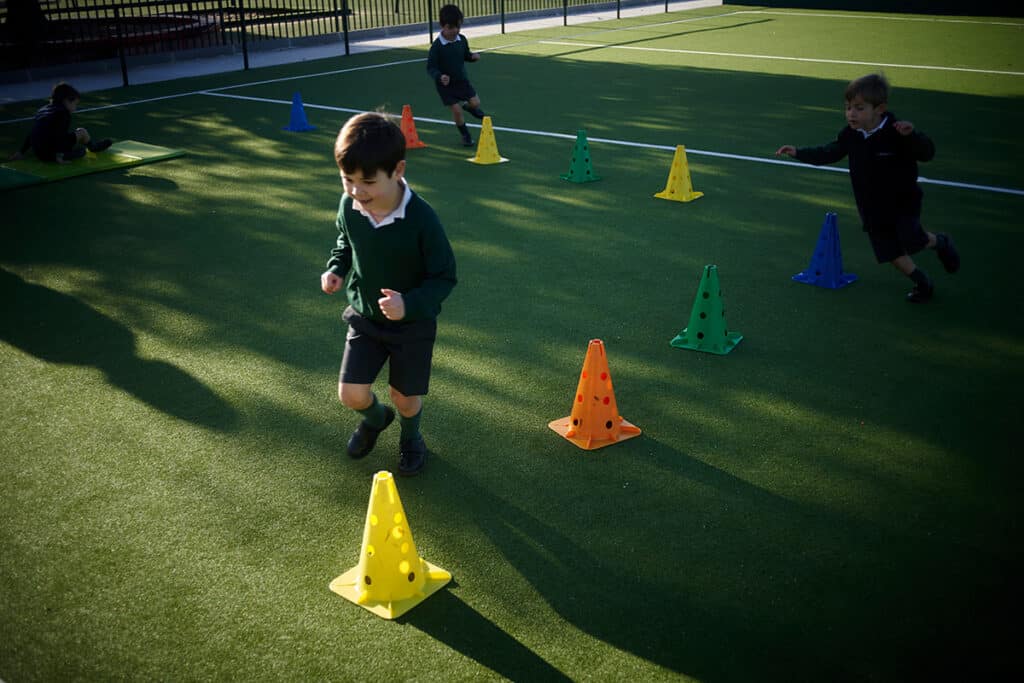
595,421
391,578
412,139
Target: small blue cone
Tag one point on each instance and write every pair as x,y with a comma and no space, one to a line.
826,267
298,123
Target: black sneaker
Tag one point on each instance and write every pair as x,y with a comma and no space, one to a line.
76,152
919,294
947,252
96,146
413,456
467,140
365,437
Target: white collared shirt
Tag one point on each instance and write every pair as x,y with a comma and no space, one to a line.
399,211
869,133
458,37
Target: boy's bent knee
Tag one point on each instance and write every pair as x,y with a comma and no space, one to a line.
355,396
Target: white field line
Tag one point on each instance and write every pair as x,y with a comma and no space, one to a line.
780,57
935,20
629,143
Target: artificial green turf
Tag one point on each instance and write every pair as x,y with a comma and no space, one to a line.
836,499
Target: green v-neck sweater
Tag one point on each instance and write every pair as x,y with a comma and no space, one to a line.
411,255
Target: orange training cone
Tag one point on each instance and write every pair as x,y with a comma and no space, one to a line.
391,578
595,421
412,140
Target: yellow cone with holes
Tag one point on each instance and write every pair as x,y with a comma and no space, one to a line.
679,187
391,578
487,148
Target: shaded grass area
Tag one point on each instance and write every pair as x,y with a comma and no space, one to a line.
835,500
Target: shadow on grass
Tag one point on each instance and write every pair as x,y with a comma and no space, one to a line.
58,328
451,621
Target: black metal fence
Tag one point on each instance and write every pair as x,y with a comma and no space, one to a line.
44,33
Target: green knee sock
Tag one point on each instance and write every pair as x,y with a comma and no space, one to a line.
410,425
375,414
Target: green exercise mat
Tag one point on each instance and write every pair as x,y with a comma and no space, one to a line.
119,155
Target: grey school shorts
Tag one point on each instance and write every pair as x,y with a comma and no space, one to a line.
455,92
903,236
407,347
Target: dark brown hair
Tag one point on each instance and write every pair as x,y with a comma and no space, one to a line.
873,89
369,143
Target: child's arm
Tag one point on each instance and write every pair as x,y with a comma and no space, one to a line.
332,279
25,147
817,156
434,63
439,276
921,145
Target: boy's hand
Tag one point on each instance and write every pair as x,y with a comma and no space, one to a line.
788,150
82,135
903,127
330,282
392,305
474,56
15,156
445,79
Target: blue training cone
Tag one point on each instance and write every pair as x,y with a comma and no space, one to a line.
826,267
298,121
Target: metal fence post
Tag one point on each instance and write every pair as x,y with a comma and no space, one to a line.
345,11
430,21
565,12
502,17
245,46
120,45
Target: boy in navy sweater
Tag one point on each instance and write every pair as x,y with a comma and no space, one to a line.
884,152
51,138
446,64
394,260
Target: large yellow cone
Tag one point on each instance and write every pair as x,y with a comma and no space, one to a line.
391,578
679,188
487,148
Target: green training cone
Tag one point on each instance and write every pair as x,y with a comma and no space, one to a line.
581,170
706,330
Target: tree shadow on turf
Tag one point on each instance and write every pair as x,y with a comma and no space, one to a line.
446,618
58,328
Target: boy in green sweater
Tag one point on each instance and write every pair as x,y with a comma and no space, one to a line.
446,64
395,262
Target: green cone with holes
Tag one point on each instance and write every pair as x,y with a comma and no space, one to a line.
707,330
581,168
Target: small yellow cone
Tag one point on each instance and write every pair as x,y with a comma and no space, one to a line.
391,578
679,188
487,148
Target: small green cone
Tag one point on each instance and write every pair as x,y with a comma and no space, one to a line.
581,170
707,330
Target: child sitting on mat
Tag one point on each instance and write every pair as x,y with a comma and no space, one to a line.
51,137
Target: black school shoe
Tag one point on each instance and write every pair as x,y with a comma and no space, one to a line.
919,294
467,140
947,252
99,145
413,456
365,437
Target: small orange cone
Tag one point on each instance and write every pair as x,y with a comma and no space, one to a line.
412,140
595,421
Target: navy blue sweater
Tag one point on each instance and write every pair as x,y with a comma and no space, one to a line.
883,170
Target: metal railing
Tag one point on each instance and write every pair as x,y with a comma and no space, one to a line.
48,33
